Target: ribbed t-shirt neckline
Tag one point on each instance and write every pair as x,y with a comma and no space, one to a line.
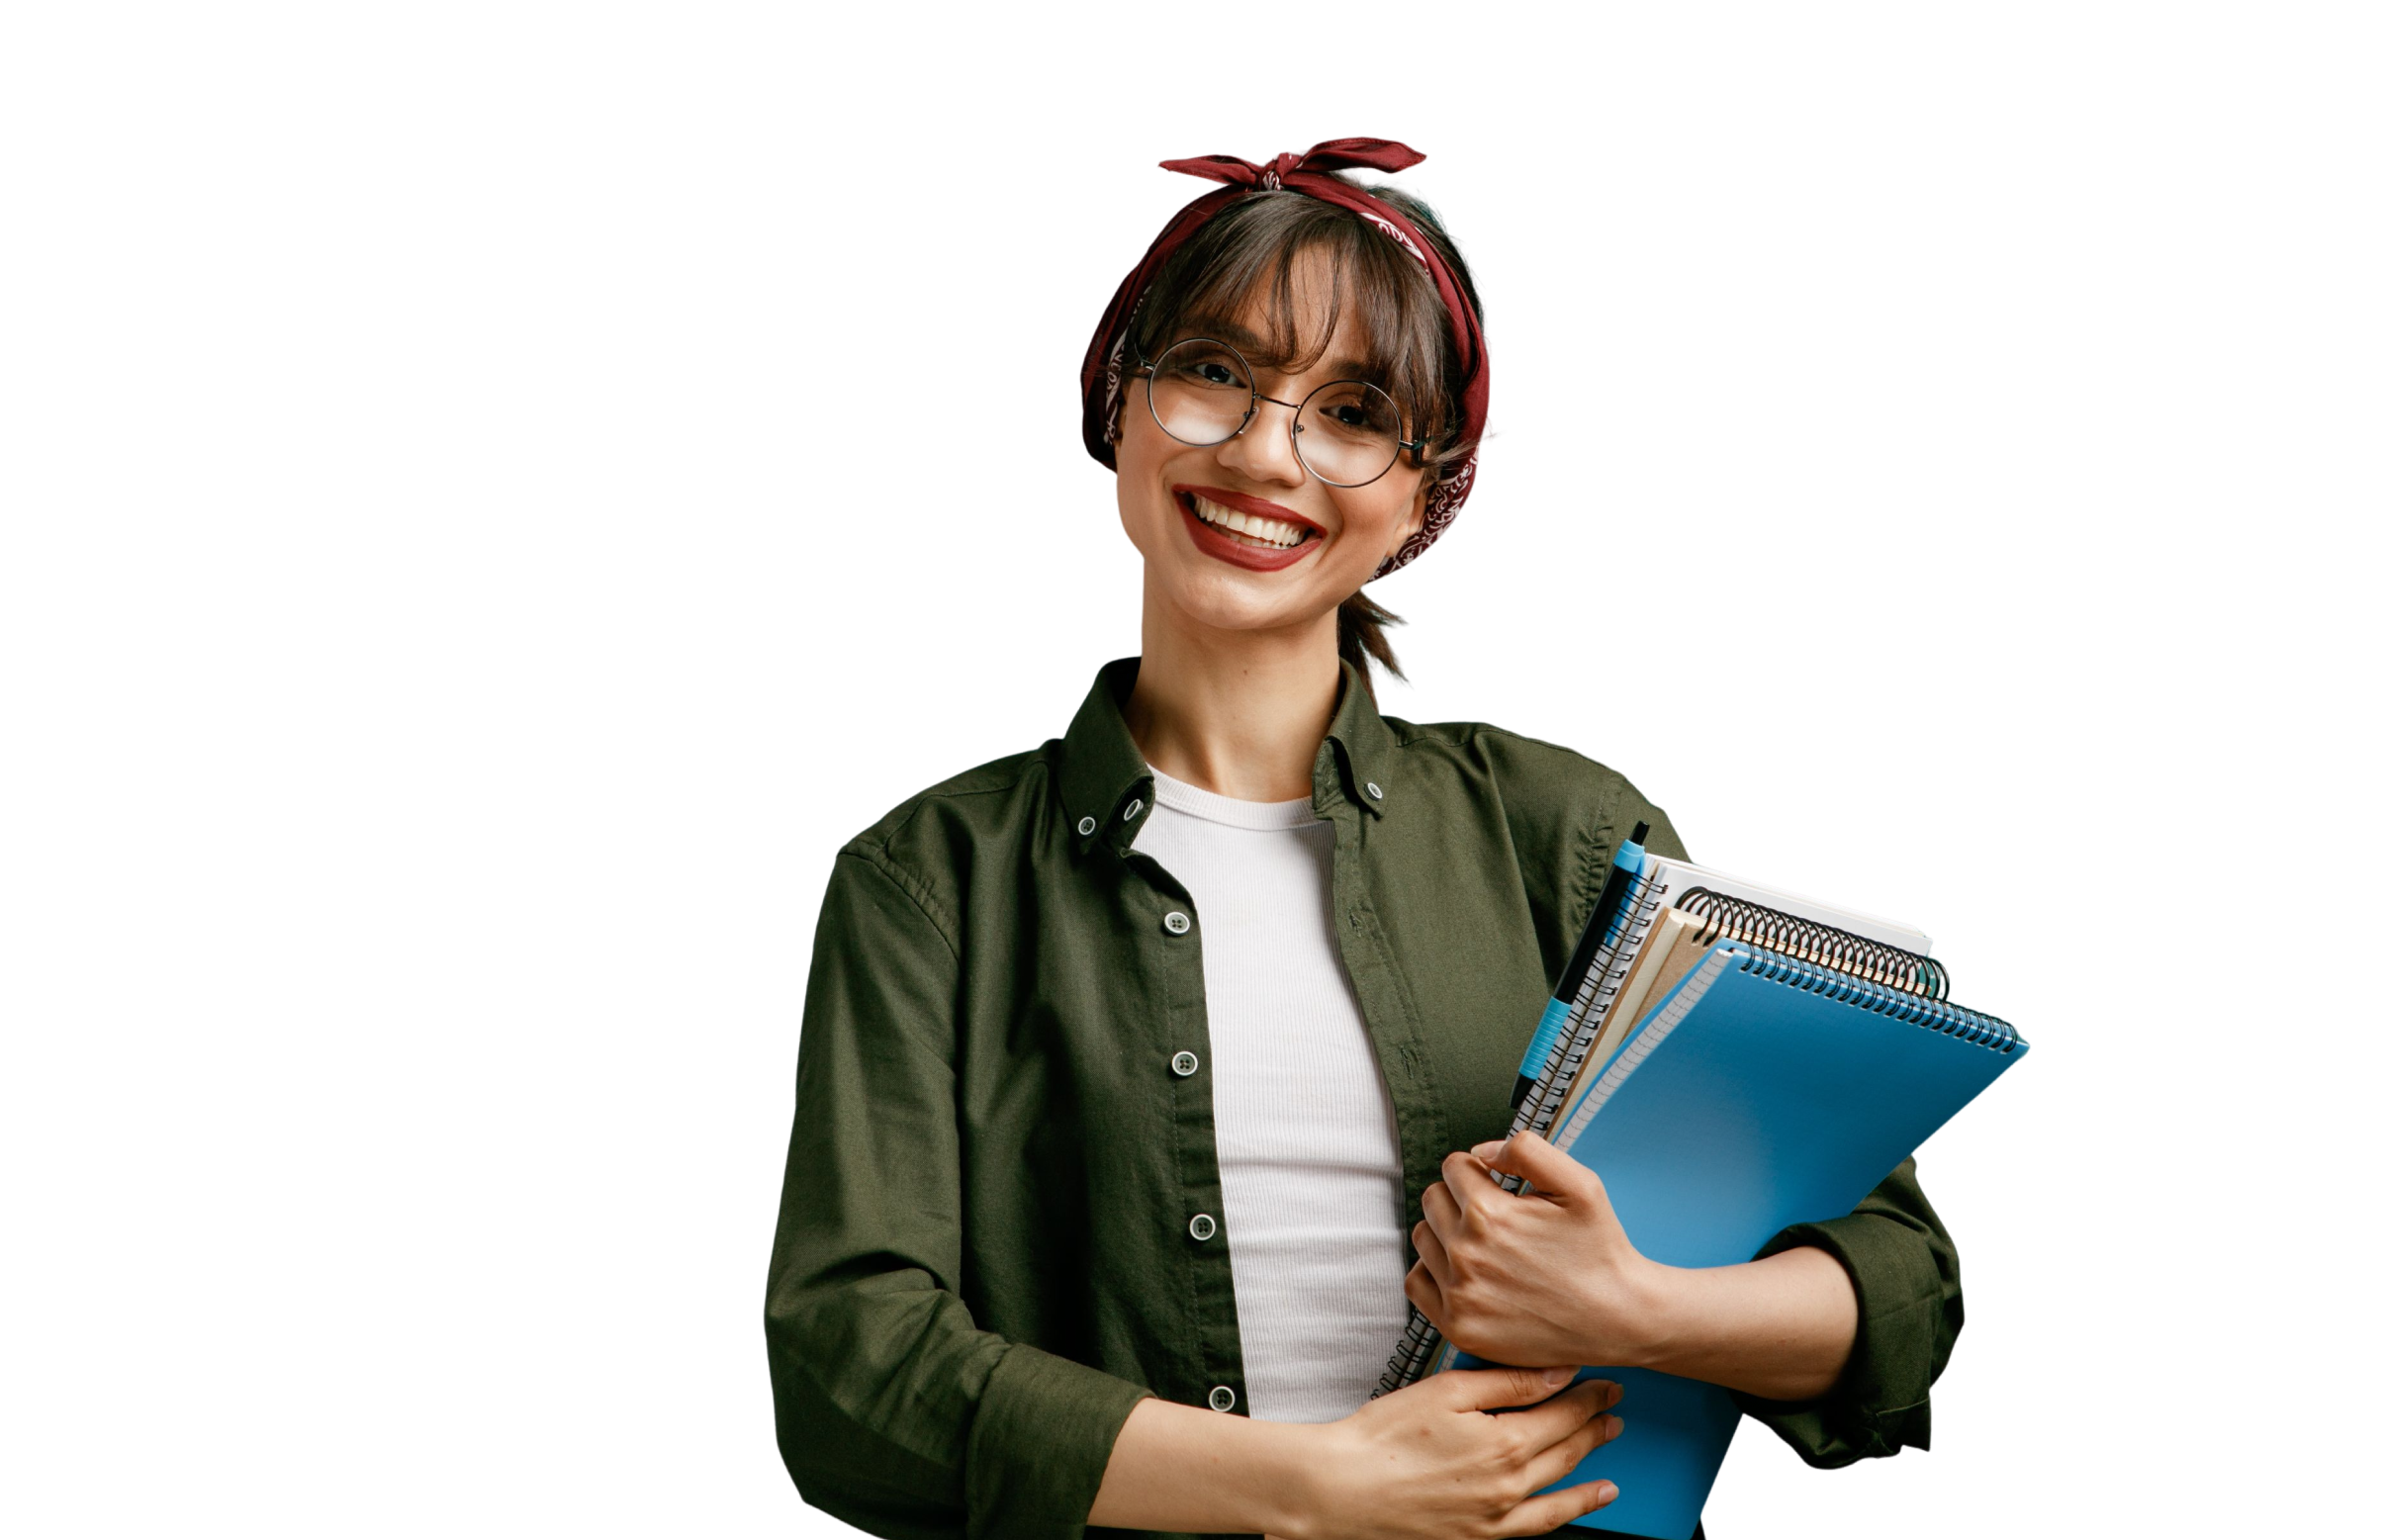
1192,802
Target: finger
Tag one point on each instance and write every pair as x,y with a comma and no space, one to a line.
1553,1510
1489,1151
1553,1463
1557,1419
1492,1390
1426,1295
1470,1181
1551,1172
1560,1419
1441,1209
1431,1253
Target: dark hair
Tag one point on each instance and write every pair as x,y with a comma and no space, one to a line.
1403,329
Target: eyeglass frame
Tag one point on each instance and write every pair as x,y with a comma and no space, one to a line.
1146,369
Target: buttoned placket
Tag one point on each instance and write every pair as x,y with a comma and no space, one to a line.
1173,926
1352,788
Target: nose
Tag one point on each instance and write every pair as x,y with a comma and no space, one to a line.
1263,450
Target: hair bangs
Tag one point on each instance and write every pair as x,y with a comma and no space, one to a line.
1244,279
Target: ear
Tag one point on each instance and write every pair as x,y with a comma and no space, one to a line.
1413,519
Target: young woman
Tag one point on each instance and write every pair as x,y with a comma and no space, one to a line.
1134,1066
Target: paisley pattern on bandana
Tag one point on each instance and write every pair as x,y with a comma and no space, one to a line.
1395,231
1114,389
1440,509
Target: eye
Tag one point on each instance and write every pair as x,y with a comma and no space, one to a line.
1204,366
1355,410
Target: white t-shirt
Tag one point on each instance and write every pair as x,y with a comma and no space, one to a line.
1308,1150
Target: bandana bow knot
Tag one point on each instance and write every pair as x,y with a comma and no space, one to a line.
1331,155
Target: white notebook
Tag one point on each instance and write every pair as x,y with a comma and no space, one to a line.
1680,876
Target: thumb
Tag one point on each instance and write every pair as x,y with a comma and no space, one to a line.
1539,1162
1489,1390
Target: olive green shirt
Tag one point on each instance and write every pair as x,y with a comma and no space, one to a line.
983,1256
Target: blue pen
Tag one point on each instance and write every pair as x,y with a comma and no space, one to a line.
1620,873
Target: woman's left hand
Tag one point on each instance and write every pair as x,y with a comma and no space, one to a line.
1546,1277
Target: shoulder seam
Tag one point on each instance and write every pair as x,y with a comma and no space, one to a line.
912,887
1035,761
1467,732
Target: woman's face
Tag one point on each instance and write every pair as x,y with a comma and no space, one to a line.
1173,495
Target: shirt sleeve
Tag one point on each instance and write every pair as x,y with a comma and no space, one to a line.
896,1413
1909,1305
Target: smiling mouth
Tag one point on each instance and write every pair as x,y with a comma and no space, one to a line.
1252,529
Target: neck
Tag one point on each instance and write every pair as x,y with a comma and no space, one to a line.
1240,713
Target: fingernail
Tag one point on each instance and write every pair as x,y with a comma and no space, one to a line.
1614,1427
1606,1492
1614,1393
1556,1375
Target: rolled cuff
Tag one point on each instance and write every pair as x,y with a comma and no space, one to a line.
1905,1321
1039,1442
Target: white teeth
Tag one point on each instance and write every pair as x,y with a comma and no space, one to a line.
1272,531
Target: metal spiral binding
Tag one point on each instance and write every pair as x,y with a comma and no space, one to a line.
1811,941
1978,1026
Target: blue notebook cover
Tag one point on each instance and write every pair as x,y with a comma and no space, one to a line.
1760,1093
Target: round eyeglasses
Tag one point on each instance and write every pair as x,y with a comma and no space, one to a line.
1346,432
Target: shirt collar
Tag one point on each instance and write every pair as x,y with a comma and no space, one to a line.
1106,788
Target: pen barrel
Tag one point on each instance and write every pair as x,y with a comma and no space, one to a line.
1583,963
1545,1038
1599,991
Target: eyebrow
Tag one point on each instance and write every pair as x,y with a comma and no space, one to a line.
1249,343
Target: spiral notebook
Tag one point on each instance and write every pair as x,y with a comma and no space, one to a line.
1706,913
1760,1092
1662,885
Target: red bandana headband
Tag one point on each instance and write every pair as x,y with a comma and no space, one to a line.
1104,376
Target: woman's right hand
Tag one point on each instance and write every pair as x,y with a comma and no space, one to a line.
1441,1459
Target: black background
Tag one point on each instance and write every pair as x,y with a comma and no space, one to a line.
1773,478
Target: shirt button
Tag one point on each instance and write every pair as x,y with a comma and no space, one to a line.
1086,825
1134,807
1203,1226
1176,922
1222,1397
1375,792
1184,1064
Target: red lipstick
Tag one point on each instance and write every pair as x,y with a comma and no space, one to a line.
1213,541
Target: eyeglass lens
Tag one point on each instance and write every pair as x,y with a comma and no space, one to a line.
1348,432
